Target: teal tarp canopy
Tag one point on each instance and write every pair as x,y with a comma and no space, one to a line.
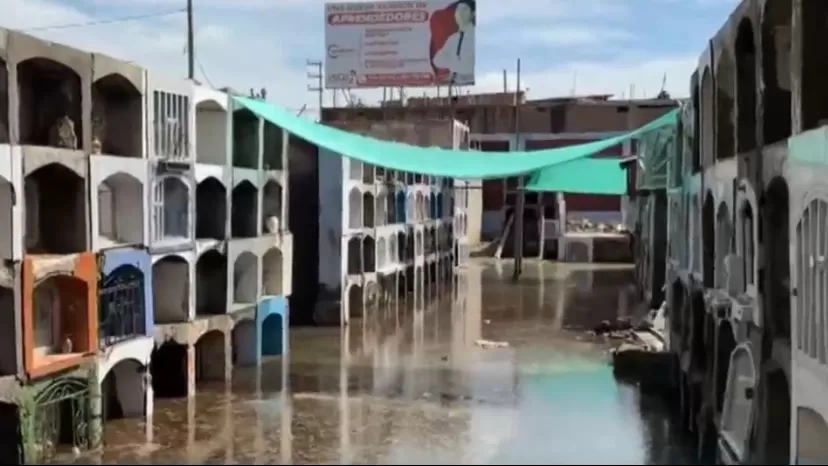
462,164
582,176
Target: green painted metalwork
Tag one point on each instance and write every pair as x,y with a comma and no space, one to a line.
57,415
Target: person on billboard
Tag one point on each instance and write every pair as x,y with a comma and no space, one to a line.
451,49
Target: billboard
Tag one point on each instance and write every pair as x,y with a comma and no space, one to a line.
399,43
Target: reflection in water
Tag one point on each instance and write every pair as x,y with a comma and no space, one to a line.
411,386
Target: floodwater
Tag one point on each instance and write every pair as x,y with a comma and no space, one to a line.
412,387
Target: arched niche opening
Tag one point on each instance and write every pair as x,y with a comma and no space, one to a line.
725,345
420,206
11,450
410,240
244,210
171,208
696,147
708,118
736,416
55,211
440,206
121,306
813,102
121,210
432,205
49,111
776,71
748,248
273,335
354,256
210,357
392,249
697,329
211,133
168,368
354,209
776,448
245,139
368,210
812,431
382,253
60,321
211,284
746,88
418,178
418,246
272,273
4,102
401,246
171,302
367,173
354,170
677,311
355,302
428,247
380,214
245,278
244,343
725,93
211,210
775,218
59,404
272,207
390,208
123,391
411,209
724,237
368,254
274,139
117,111
7,201
709,240
399,209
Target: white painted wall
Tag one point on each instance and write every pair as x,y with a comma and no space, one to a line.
332,199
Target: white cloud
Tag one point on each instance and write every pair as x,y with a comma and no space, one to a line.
262,50
572,35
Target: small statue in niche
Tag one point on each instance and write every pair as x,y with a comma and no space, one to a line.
67,345
272,224
98,130
62,133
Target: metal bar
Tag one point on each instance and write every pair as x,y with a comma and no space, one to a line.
521,197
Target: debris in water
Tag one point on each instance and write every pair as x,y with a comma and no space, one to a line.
486,344
487,321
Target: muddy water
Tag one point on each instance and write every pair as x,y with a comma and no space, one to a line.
411,386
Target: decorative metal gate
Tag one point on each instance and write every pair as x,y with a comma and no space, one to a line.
812,280
60,417
121,305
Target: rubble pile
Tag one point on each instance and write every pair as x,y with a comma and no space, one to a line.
585,225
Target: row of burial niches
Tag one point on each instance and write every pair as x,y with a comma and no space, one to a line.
367,255
52,114
369,174
370,209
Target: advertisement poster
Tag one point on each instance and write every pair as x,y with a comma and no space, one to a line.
399,43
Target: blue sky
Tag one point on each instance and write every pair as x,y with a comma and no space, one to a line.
609,45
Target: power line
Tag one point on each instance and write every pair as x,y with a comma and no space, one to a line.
106,21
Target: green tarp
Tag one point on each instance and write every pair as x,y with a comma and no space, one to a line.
582,176
462,164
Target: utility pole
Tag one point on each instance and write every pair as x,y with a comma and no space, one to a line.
317,87
190,41
521,195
